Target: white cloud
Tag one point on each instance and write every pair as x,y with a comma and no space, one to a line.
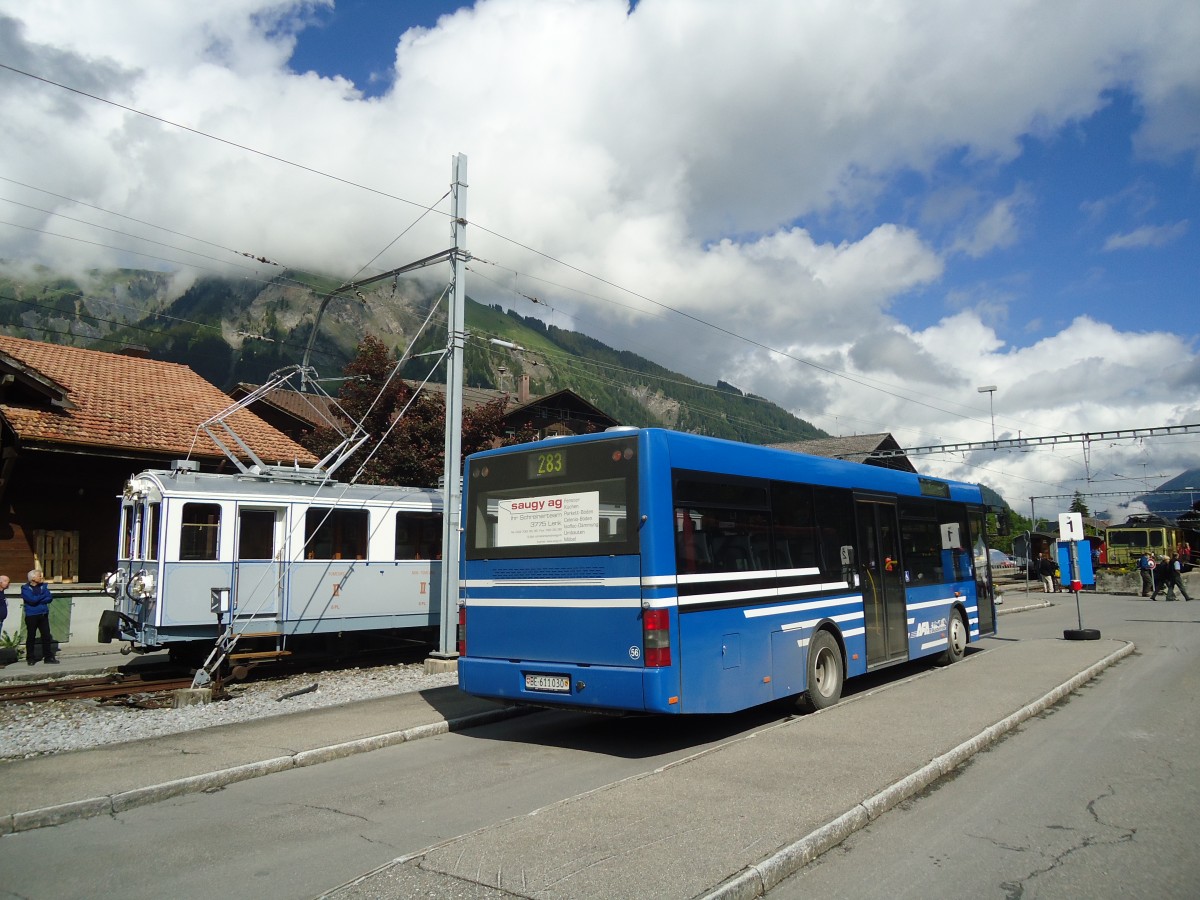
694,152
1147,236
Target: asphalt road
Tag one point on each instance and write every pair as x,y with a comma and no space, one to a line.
1096,798
300,833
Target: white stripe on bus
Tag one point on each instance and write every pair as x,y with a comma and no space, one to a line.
930,604
790,608
702,577
844,617
551,582
553,602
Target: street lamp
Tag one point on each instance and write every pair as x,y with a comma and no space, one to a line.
990,390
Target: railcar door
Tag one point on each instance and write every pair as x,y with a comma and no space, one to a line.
881,576
258,569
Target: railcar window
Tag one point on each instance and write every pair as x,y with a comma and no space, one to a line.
150,551
199,530
335,533
418,535
256,534
128,523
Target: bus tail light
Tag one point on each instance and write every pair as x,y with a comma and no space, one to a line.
462,630
656,637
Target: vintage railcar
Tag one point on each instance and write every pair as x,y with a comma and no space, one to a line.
278,560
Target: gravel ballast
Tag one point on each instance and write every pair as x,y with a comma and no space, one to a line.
36,729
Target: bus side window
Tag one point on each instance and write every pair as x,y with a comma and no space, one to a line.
796,544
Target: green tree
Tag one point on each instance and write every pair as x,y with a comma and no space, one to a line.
407,444
1077,505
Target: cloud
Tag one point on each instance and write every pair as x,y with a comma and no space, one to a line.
1147,236
731,167
999,227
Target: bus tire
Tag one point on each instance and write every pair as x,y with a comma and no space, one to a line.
825,673
956,638
1081,634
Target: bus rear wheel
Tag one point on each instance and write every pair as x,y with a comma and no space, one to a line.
825,673
956,638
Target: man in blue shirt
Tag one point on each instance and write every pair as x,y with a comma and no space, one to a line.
1145,567
37,599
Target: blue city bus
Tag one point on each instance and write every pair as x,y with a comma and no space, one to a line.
646,570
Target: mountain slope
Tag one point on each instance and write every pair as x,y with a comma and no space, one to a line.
233,330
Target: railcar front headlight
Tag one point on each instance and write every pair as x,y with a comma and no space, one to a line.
113,582
141,586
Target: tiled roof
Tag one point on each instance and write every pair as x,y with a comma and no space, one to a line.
123,403
854,447
315,409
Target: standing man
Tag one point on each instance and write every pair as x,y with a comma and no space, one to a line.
1145,566
1046,567
1175,579
37,599
4,583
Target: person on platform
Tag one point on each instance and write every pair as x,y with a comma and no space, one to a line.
1046,569
4,583
37,599
1174,578
1145,567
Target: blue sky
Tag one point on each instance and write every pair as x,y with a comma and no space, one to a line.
357,39
860,211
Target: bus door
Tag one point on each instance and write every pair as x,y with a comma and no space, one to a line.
881,577
258,570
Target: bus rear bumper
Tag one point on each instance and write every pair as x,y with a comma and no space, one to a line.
603,688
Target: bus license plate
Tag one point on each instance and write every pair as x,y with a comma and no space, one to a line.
559,683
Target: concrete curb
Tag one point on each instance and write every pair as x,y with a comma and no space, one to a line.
1005,610
126,800
755,880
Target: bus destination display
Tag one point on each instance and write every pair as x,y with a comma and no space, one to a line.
547,464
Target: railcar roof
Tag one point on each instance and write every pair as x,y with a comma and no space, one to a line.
242,487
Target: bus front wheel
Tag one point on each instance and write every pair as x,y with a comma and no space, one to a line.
825,672
956,638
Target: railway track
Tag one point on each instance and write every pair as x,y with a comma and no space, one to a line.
104,687
150,688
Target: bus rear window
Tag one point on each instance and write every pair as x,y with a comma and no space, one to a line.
560,499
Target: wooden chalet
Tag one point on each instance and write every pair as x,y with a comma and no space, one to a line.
74,425
563,412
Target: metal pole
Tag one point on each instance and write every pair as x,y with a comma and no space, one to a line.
452,477
990,390
1074,576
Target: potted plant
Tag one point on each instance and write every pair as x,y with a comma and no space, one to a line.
11,648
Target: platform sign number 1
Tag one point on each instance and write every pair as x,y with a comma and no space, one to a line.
1070,526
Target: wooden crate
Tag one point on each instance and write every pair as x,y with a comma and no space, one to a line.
56,553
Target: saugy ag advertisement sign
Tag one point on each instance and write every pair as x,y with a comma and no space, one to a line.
554,519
